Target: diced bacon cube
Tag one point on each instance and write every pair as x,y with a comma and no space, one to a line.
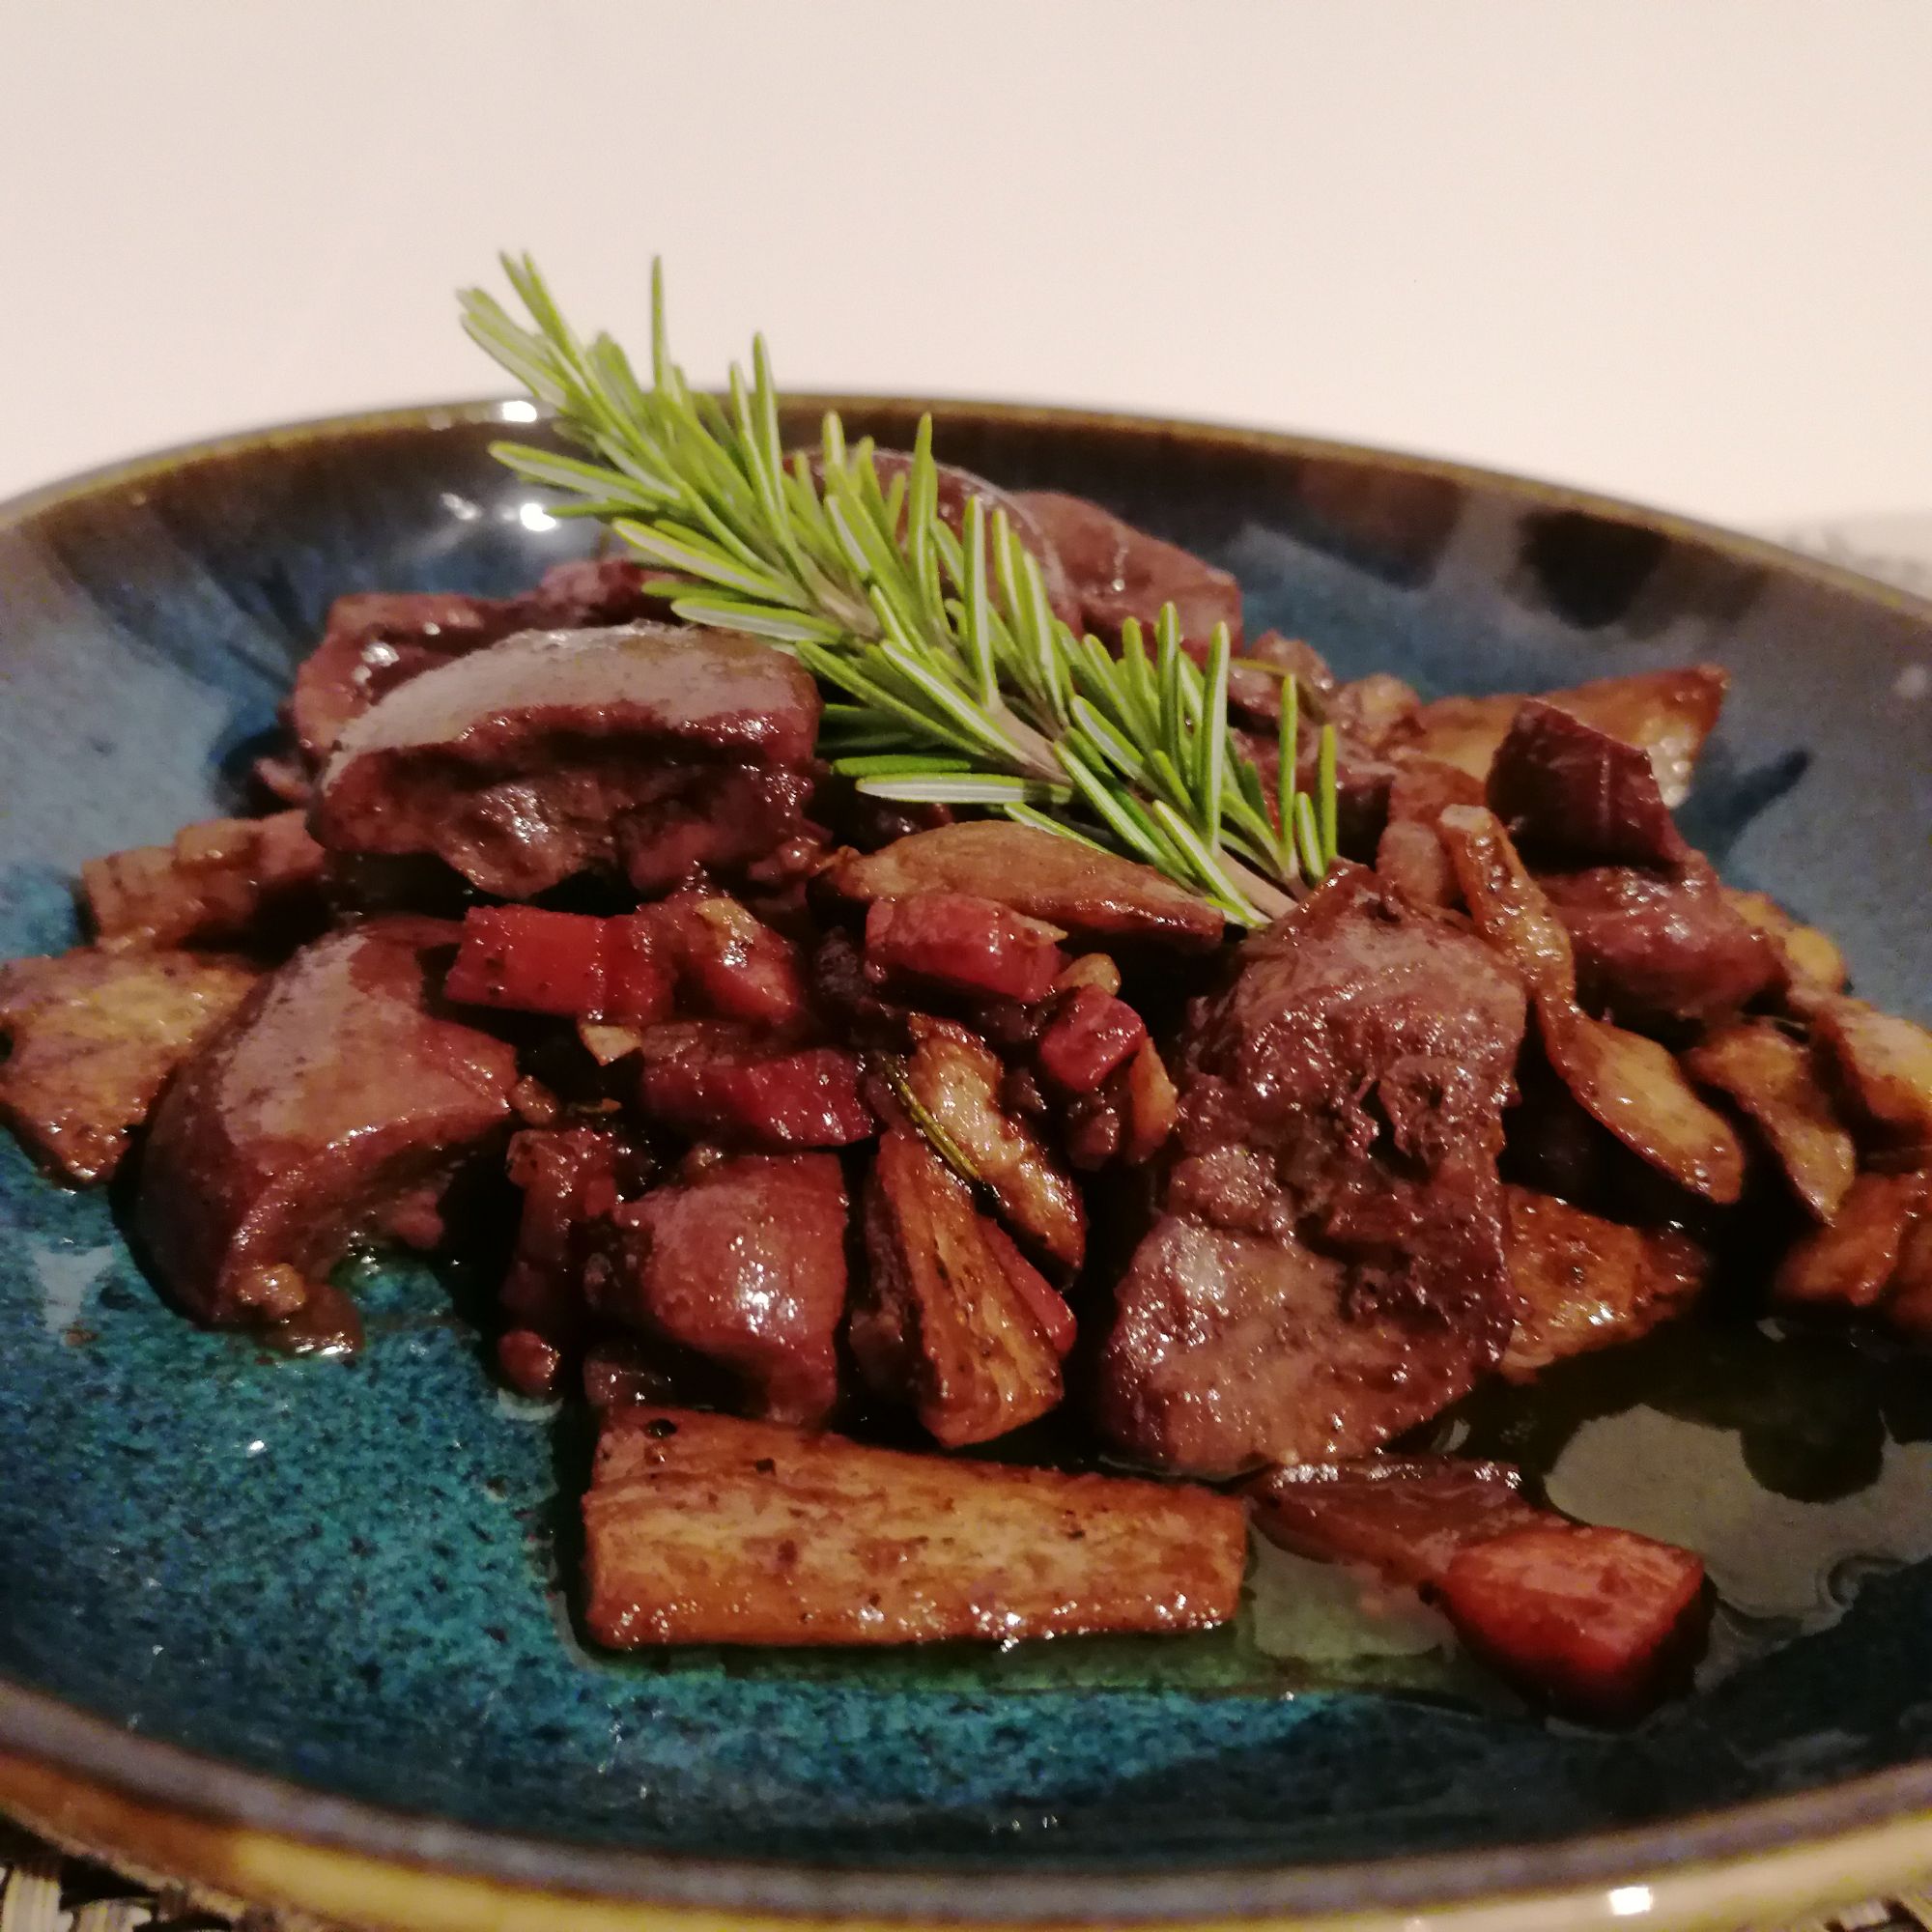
963,944
1593,1619
755,1098
1091,1035
530,960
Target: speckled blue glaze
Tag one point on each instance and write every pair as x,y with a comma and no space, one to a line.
356,1576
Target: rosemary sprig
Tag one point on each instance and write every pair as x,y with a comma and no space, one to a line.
949,678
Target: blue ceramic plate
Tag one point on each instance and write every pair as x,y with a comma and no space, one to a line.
349,1586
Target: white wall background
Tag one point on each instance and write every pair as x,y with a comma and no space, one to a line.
1677,249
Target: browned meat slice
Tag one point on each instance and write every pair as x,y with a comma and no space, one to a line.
1850,1262
1668,713
332,1094
1811,959
1596,1621
950,1317
1410,855
225,881
1881,1065
1572,793
705,1529
1117,573
376,640
1407,1516
659,750
95,1037
1631,1085
1771,1077
718,1083
1585,1283
1654,948
1096,896
1329,1267
743,1264
957,1079
1295,655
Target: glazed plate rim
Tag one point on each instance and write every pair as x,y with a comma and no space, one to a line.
1886,1810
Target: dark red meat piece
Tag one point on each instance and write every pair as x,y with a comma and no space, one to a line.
664,750
1368,716
1596,1621
334,1092
1571,794
1091,1035
743,1264
963,944
1328,1266
1407,1516
529,961
1118,572
1255,677
530,1362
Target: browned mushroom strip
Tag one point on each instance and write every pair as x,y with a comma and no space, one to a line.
1850,1264
1629,1083
1812,961
224,881
956,1078
950,1317
95,1037
705,1529
1583,1283
1096,896
1883,1065
1771,1077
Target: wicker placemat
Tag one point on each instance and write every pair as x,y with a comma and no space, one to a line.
40,1892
